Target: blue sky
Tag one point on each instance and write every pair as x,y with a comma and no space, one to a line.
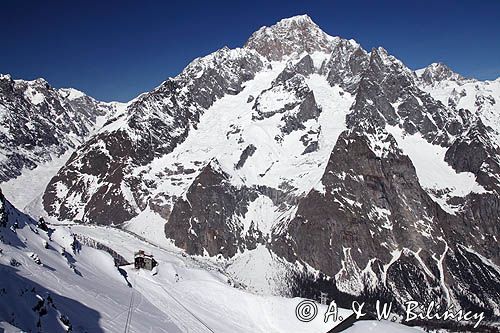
114,50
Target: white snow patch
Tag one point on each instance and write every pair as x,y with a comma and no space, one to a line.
71,93
319,58
29,187
260,270
262,213
148,224
34,96
432,170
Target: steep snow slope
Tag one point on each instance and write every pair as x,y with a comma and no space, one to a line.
209,139
26,190
84,285
227,128
50,283
31,184
434,173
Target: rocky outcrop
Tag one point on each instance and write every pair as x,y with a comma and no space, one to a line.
104,204
245,154
371,227
205,220
475,152
346,64
304,67
296,103
363,198
389,95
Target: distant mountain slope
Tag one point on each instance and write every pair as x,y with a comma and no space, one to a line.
38,122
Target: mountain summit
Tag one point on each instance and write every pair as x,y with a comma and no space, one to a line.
297,34
437,72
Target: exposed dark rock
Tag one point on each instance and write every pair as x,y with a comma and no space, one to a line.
304,67
346,65
475,284
439,72
388,83
312,147
104,204
367,198
245,154
308,109
339,232
201,221
474,152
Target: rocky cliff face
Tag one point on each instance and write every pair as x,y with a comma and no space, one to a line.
38,122
337,160
212,231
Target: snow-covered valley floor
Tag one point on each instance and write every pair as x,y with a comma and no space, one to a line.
183,294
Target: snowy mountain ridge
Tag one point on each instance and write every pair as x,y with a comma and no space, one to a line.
305,164
39,123
437,72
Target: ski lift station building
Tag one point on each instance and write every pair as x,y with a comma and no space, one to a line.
144,260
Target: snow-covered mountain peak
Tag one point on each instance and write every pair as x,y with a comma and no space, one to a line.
215,61
5,77
297,34
297,20
71,93
385,59
39,82
437,72
39,123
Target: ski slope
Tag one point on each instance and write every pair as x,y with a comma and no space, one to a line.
183,294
